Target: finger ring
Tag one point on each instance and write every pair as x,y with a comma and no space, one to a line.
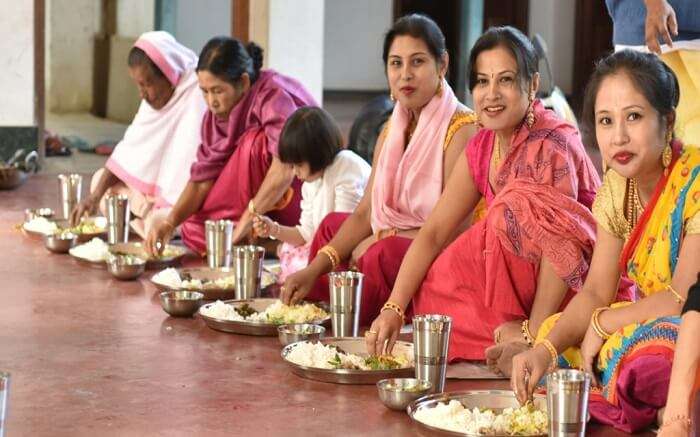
369,331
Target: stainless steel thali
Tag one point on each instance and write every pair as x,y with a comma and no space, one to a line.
495,400
353,345
251,328
82,237
205,274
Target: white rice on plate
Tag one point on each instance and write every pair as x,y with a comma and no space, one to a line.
94,250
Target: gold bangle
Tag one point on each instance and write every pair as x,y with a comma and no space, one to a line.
251,207
332,255
678,297
552,353
595,324
525,329
395,308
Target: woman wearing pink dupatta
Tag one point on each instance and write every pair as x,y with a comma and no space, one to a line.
237,173
415,154
523,261
164,135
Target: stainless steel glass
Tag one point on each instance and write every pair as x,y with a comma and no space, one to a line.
219,234
248,267
4,392
567,402
346,293
118,218
70,188
431,339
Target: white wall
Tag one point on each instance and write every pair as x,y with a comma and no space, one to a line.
353,37
198,21
135,17
295,41
554,20
70,29
17,61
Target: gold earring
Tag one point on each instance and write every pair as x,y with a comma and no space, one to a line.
391,96
530,116
439,87
667,154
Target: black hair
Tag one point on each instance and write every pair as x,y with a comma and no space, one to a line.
418,26
139,58
514,40
227,58
310,135
649,75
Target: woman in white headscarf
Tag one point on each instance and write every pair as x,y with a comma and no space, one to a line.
150,164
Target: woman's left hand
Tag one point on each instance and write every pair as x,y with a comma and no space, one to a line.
262,226
674,429
590,347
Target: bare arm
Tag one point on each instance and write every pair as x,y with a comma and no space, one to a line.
91,202
277,180
685,367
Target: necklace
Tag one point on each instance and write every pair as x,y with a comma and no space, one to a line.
496,151
634,206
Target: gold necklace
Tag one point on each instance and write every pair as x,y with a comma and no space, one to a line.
634,205
497,151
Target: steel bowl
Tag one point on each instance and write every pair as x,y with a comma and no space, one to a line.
125,267
292,333
181,303
31,214
60,242
398,393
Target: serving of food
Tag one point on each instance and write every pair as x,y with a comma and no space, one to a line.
259,316
88,228
97,252
345,361
94,251
480,413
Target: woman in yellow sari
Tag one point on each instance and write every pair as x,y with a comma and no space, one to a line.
648,215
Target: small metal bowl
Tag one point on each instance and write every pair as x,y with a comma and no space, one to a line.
292,333
125,268
60,242
31,214
398,393
181,303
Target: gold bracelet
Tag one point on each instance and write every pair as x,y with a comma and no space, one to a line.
595,324
678,297
678,418
525,329
395,308
251,207
332,255
552,353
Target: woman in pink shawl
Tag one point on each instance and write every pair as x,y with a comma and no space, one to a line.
415,154
237,173
164,136
503,276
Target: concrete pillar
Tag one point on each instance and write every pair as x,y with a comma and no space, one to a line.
291,33
18,115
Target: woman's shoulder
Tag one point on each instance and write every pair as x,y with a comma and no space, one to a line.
461,118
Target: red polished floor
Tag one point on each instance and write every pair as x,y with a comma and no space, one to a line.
92,356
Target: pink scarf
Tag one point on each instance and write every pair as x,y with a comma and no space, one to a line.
407,184
158,143
266,106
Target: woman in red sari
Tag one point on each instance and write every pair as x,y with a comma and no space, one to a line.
414,156
237,173
508,272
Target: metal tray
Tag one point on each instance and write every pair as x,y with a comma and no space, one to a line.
136,249
353,345
210,293
251,328
82,238
496,400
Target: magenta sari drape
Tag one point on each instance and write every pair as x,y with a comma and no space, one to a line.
238,152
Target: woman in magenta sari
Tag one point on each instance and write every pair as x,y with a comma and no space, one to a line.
520,264
237,173
414,156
